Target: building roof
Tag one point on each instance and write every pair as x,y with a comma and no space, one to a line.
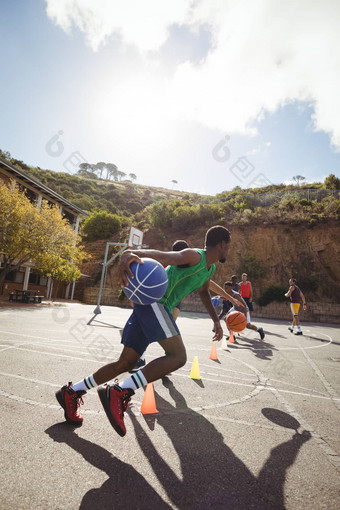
35,184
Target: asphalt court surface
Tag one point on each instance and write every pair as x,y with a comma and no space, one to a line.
259,429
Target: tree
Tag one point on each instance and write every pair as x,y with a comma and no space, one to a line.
332,182
120,175
298,179
27,232
101,225
100,168
174,182
133,177
111,171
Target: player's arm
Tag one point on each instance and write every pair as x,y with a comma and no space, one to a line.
166,258
290,290
303,299
214,287
206,300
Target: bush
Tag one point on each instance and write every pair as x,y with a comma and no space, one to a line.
272,293
101,225
252,266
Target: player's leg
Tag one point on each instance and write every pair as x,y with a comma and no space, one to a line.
296,317
291,328
175,357
70,396
126,362
254,328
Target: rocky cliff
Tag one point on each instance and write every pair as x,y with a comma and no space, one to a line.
269,254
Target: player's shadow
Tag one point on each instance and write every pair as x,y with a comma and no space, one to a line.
125,487
211,475
262,349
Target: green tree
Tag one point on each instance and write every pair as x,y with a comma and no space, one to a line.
133,177
299,179
111,171
100,168
27,232
101,225
332,182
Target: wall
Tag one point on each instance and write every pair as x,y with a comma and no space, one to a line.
316,311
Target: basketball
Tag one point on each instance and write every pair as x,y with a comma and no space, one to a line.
149,283
236,321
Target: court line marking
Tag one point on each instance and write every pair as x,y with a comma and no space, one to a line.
330,390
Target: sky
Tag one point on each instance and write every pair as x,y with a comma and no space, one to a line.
212,94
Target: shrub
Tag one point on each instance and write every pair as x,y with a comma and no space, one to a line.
252,266
272,293
101,225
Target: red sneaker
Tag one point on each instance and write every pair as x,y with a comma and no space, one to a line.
115,401
70,401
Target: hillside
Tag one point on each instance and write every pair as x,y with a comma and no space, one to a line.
277,231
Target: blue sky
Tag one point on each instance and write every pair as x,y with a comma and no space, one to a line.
210,95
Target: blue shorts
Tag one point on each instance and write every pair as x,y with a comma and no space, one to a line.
147,324
249,304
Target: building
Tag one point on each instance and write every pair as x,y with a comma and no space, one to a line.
27,278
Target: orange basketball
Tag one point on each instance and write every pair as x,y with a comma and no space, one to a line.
236,321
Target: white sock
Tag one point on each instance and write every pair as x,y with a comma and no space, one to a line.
134,382
85,384
299,328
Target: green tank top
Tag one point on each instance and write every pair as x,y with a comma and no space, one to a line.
184,280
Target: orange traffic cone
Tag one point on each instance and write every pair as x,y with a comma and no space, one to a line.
213,353
149,404
231,337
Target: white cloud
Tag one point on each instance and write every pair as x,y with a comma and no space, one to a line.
264,54
143,24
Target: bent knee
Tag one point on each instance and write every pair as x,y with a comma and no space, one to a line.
181,359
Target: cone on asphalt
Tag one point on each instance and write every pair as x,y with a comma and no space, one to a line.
213,353
149,404
231,337
195,369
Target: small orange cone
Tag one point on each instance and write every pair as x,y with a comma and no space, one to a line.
195,369
231,337
213,353
149,404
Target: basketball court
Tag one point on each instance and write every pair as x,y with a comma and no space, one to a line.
258,429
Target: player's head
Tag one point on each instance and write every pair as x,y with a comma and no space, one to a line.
244,276
228,287
292,281
234,279
179,245
218,236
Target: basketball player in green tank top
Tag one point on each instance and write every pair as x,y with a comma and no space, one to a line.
152,323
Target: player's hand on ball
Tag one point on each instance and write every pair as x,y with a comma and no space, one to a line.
218,331
124,266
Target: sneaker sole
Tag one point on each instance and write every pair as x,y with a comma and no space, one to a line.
58,396
102,395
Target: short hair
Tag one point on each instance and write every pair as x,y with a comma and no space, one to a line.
293,280
216,235
234,277
179,245
244,274
228,284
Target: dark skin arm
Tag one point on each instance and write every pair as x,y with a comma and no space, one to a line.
218,290
166,258
206,300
